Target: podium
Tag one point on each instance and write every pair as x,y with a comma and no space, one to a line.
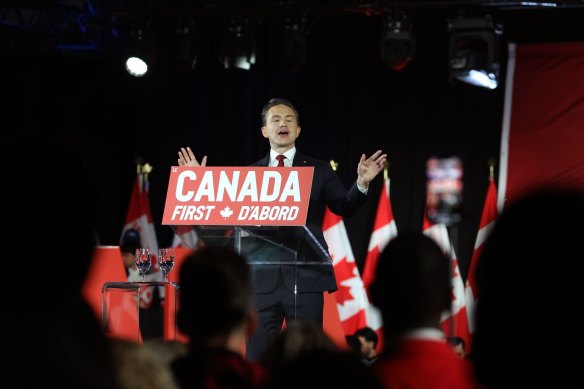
263,245
124,315
295,249
261,213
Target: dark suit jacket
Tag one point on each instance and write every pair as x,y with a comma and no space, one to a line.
327,189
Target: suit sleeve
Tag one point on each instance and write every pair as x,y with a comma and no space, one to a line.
340,200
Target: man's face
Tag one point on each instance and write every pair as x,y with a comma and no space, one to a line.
366,346
281,128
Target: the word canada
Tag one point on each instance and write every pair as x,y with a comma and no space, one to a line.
212,196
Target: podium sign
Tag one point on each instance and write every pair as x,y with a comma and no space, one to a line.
238,196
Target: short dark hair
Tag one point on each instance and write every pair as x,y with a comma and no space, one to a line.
130,241
225,273
368,334
455,341
277,101
412,283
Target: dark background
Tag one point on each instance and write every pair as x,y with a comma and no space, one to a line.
349,101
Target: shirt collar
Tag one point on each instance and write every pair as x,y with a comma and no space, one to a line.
289,157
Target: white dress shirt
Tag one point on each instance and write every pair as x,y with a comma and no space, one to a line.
288,163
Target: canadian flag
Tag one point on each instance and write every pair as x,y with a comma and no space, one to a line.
139,216
453,323
384,230
487,223
185,236
352,302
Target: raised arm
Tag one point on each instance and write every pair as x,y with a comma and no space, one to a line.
369,168
186,157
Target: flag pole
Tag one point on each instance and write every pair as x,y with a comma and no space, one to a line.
492,169
453,235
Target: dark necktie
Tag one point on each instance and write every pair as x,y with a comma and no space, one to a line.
280,159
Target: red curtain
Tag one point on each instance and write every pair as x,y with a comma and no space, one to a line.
543,130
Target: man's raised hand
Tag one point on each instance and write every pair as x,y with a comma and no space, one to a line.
186,157
369,168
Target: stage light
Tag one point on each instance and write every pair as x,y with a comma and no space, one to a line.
137,67
474,51
238,50
397,44
139,52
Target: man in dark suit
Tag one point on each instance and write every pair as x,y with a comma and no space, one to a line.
288,292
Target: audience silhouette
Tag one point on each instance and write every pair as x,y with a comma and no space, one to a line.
364,343
51,336
323,368
298,338
412,290
529,281
141,367
216,313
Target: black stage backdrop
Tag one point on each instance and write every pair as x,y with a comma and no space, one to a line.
349,103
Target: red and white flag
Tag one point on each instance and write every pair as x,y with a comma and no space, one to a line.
185,236
384,230
487,223
139,215
453,323
352,302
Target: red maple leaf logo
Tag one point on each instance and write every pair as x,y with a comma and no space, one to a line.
344,271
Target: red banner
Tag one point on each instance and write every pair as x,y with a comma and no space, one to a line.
542,137
238,196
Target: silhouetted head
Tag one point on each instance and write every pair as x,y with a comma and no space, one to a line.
457,344
529,292
299,337
412,283
368,334
324,369
363,342
215,294
130,241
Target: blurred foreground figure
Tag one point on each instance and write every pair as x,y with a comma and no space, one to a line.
412,290
298,338
216,312
324,368
50,332
529,280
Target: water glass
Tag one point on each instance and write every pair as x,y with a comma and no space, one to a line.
143,261
166,261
